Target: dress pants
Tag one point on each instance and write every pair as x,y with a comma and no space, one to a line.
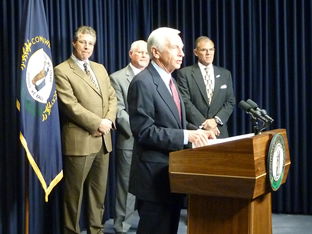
159,217
125,201
89,174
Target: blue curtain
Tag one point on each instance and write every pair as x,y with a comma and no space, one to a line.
266,44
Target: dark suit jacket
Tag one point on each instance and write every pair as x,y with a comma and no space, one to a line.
193,90
157,131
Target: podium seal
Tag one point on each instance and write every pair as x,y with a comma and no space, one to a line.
276,161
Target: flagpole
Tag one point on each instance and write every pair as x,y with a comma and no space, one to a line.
38,107
26,198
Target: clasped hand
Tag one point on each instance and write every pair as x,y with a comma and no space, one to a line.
105,126
211,124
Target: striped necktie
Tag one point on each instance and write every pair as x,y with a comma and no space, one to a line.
92,78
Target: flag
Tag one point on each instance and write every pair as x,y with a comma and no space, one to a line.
37,102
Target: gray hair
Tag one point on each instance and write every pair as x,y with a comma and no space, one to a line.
136,44
202,38
84,30
159,37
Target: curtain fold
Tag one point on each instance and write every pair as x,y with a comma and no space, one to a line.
266,44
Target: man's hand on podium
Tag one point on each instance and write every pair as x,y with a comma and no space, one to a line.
200,137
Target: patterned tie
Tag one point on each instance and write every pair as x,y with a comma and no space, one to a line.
92,78
208,82
175,96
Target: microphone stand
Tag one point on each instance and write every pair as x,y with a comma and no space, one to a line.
257,116
255,126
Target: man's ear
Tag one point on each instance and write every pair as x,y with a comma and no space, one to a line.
74,43
195,52
155,53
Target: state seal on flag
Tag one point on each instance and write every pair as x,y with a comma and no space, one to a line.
276,161
39,76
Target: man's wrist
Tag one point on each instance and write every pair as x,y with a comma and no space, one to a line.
218,120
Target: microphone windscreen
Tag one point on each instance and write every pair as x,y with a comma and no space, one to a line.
244,105
252,104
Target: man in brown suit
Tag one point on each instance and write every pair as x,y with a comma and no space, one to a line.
88,106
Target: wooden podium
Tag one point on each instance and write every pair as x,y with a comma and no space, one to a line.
227,185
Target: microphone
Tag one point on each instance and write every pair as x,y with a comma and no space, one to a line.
244,105
255,114
262,111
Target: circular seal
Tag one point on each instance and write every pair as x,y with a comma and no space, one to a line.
276,161
39,76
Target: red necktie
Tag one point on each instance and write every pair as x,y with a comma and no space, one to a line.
175,96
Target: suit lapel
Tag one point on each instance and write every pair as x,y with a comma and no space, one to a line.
97,74
218,83
199,79
129,73
183,120
165,94
81,74
76,69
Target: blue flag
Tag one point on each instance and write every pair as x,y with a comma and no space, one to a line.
37,103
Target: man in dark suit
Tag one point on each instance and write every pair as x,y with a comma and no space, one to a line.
207,90
158,123
88,106
124,206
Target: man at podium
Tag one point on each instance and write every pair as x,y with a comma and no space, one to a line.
158,123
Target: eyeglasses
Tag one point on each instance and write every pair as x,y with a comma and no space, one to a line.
90,43
141,52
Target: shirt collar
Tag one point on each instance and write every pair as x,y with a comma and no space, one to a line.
79,62
202,66
134,69
163,74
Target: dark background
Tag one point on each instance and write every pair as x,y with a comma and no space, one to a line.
266,44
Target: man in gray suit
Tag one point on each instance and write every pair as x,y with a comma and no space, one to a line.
207,90
120,80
